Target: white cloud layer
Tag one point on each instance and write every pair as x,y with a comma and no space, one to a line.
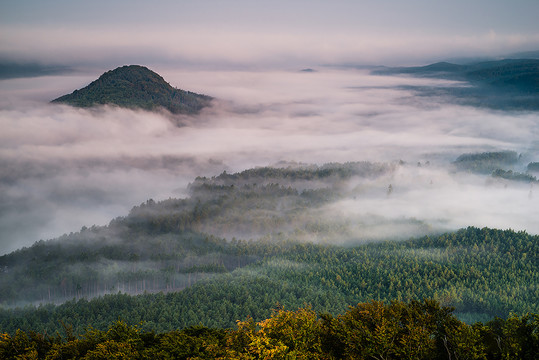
62,168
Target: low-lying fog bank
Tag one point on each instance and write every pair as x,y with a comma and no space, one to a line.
62,168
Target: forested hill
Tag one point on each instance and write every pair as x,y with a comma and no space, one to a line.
510,84
136,86
170,244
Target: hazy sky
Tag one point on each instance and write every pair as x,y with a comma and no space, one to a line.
242,32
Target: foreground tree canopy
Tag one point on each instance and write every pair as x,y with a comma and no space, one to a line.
372,330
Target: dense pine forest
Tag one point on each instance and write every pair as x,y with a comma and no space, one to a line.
161,283
481,272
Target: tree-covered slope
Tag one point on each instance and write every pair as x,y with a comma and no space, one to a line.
510,84
282,246
500,164
136,86
518,74
169,244
481,272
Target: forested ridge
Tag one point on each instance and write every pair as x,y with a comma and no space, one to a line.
481,272
169,244
509,84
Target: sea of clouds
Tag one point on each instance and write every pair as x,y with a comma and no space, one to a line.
62,168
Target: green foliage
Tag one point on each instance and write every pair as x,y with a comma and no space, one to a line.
371,330
136,86
416,330
480,272
165,246
182,276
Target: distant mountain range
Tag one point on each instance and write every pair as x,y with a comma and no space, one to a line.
510,84
136,86
520,74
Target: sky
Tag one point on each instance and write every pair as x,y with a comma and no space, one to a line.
63,168
263,33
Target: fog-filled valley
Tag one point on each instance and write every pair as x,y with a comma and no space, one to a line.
64,168
269,180
322,186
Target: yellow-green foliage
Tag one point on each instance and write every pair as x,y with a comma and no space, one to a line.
371,330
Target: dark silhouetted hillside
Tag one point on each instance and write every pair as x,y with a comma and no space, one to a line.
510,84
135,87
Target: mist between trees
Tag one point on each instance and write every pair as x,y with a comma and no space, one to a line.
286,244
